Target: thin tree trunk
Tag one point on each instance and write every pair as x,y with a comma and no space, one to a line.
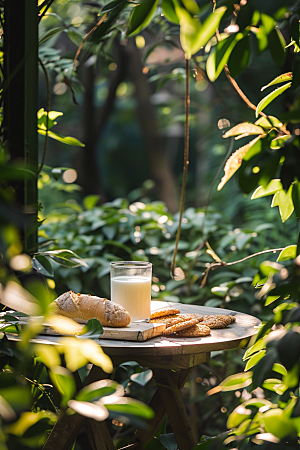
153,140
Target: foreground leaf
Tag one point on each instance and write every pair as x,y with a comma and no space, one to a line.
244,128
281,79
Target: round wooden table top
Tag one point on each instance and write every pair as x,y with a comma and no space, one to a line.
230,337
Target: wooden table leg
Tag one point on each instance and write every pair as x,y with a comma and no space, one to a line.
143,436
67,427
175,408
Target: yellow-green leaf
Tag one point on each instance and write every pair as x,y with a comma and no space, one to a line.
280,79
289,252
235,161
273,187
244,128
269,98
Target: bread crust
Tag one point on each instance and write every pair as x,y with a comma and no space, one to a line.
85,307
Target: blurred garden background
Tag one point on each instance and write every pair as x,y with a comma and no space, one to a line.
112,138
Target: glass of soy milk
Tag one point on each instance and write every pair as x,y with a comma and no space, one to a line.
131,287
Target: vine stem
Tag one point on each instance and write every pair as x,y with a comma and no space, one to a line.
220,263
186,160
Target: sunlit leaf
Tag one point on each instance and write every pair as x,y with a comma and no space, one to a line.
94,354
64,139
273,187
235,160
236,381
142,378
220,54
194,37
17,298
269,98
90,201
280,79
92,410
65,258
48,354
64,325
254,359
238,416
245,128
285,203
275,385
275,422
28,419
259,345
279,142
129,406
289,252
99,389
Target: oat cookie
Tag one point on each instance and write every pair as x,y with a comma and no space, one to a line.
215,323
169,320
164,312
180,326
195,331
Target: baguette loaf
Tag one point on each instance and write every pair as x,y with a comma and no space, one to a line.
85,307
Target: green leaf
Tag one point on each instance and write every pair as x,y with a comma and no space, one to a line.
239,57
272,384
285,203
259,345
65,258
168,441
236,381
98,389
279,368
203,33
277,46
220,290
92,330
273,187
50,33
271,298
90,201
64,139
130,407
169,11
111,5
254,359
296,198
42,118
64,383
280,79
43,265
279,142
220,54
289,252
269,98
275,422
141,16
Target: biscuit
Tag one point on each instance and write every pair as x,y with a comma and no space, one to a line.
195,331
169,320
215,323
164,312
180,326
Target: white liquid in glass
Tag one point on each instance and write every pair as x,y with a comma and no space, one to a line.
134,294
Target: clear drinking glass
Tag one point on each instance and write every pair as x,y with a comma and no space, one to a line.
130,283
